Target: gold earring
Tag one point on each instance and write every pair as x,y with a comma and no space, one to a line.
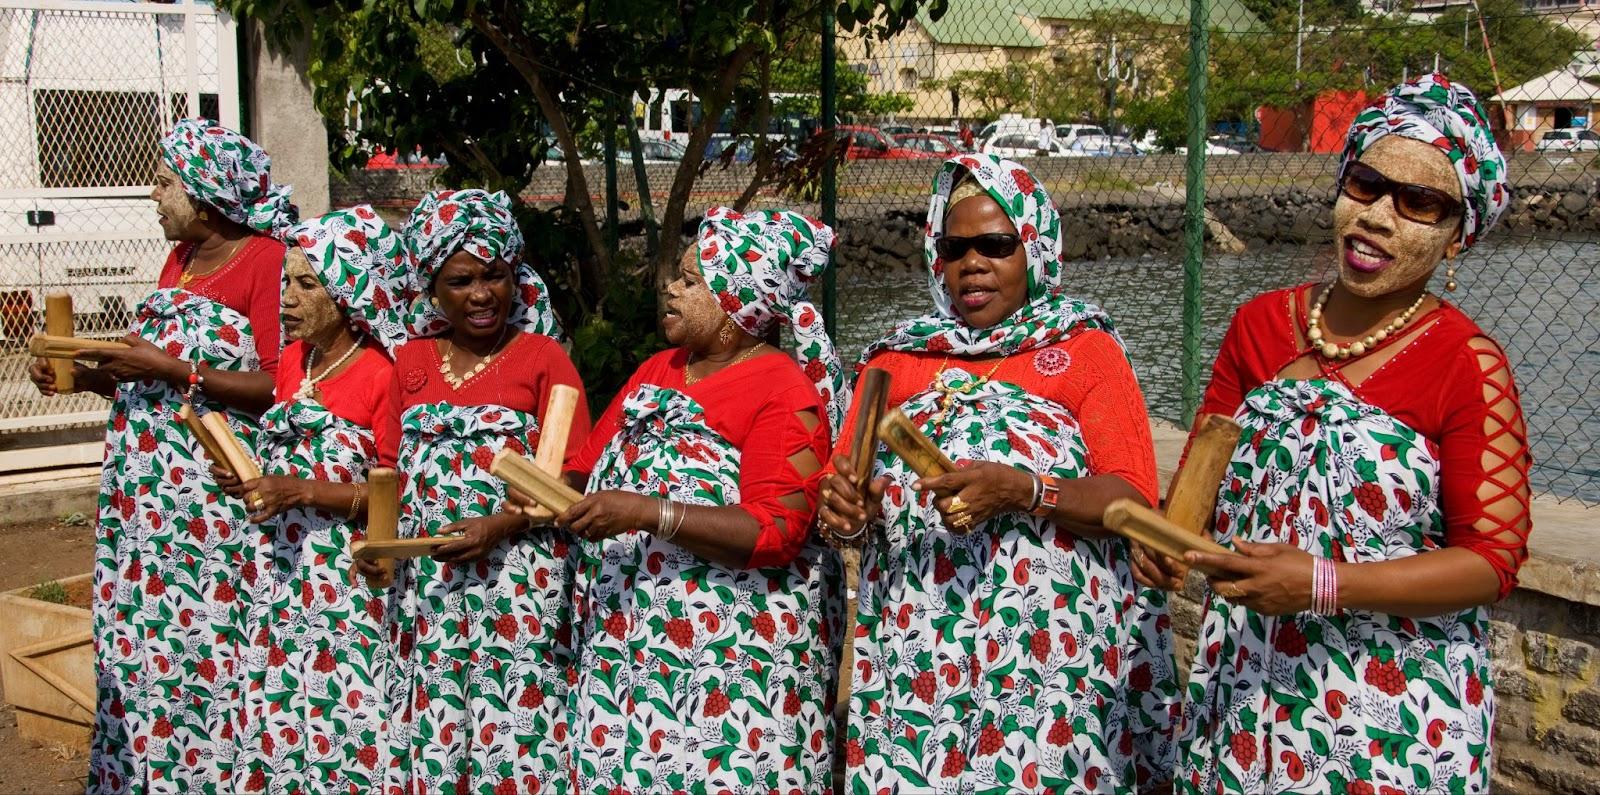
434,299
725,336
1450,276
205,216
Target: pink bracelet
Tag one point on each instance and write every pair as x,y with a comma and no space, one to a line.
1324,587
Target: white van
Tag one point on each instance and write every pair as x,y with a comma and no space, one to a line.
1007,125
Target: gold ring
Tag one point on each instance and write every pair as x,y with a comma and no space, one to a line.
1234,591
957,505
961,522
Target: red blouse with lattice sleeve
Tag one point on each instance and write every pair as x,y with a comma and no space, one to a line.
361,393
769,411
250,283
1452,384
1086,373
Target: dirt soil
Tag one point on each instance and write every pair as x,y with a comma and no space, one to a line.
40,552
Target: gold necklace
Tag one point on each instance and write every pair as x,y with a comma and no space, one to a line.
449,375
1333,350
189,275
690,379
950,392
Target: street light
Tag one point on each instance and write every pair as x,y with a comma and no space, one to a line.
1116,66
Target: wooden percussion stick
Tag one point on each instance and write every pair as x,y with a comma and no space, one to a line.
50,346
874,397
524,476
202,434
1135,522
233,452
554,429
383,517
1192,497
58,322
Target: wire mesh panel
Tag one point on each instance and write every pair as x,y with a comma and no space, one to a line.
1091,97
86,90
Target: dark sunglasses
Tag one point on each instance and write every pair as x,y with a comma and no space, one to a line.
1418,203
995,245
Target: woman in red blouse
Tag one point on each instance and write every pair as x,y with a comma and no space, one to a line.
315,670
1379,493
477,697
999,625
705,609
170,543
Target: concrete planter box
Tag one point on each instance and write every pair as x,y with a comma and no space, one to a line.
47,665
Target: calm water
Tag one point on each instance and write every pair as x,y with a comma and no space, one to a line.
1539,298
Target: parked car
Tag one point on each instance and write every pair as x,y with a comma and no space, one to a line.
1569,141
869,143
1237,143
657,151
1067,132
1102,146
938,145
745,152
1018,145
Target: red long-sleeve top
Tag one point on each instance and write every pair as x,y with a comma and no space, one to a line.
1097,386
758,407
519,378
361,393
1451,384
250,283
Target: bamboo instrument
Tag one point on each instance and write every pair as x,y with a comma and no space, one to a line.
555,428
243,466
526,477
58,323
383,518
1142,525
1192,497
398,548
874,398
202,434
919,452
52,346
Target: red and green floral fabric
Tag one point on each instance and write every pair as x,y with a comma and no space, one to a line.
170,549
1361,701
1018,658
693,676
477,702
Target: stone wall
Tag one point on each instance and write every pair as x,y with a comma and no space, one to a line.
1544,640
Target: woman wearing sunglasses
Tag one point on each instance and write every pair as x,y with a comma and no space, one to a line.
1378,495
1002,640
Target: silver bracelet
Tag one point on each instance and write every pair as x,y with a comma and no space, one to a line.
1038,492
665,528
837,536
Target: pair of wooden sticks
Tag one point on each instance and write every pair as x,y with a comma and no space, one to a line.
1190,502
539,479
58,343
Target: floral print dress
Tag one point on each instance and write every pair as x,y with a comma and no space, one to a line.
695,677
478,699
1358,702
168,616
316,668
1018,658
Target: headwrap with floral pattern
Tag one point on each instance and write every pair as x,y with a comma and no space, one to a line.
481,224
358,259
229,172
1433,110
1048,316
758,264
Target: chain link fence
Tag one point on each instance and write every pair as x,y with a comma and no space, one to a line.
1092,97
86,90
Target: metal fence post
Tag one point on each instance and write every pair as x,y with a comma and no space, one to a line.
611,176
1194,230
830,171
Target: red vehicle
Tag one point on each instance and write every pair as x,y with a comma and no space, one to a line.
869,143
934,144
